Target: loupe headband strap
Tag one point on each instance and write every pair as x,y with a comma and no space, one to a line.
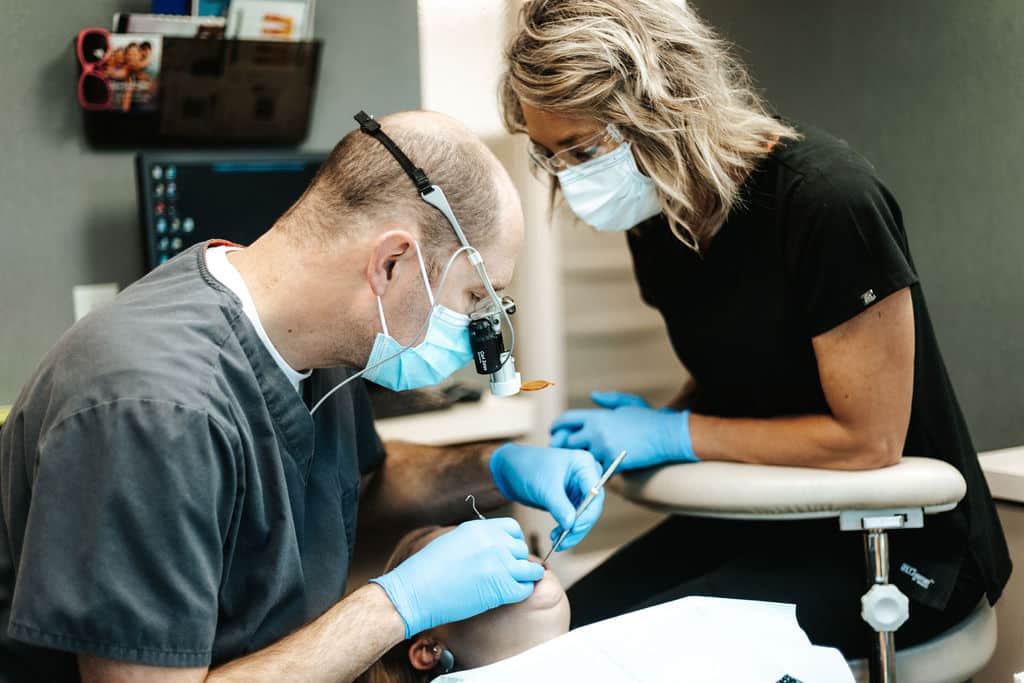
429,192
371,127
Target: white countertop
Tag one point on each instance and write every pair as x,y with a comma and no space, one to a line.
1004,471
489,418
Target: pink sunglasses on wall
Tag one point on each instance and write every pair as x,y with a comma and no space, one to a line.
93,50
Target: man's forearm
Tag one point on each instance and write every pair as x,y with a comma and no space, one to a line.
419,485
337,647
799,441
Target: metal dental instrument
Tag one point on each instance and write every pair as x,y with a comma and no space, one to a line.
472,501
586,501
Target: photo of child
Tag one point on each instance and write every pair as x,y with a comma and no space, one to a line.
133,68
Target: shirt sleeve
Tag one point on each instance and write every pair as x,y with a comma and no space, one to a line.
123,547
845,247
369,446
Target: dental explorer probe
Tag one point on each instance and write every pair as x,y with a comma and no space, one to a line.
586,501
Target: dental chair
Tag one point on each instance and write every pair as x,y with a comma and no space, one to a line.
872,502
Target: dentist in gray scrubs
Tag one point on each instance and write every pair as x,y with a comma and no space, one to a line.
172,511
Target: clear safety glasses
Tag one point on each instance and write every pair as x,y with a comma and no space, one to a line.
595,146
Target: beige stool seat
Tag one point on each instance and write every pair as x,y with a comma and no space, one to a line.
764,492
872,501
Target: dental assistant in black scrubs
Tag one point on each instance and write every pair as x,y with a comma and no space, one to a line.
780,264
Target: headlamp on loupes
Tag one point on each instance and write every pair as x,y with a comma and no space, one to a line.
485,334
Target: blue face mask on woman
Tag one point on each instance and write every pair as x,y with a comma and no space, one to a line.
609,192
445,347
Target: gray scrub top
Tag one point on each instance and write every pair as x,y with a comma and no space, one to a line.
167,498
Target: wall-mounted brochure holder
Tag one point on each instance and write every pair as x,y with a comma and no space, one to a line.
216,92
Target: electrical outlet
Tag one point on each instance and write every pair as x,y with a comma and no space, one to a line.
88,297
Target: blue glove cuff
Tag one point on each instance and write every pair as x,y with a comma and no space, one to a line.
495,463
682,445
385,583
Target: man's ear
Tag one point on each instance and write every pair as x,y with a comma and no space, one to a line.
386,251
425,652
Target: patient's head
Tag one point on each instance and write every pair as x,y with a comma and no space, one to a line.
483,639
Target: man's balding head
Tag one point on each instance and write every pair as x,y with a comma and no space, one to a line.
345,258
362,184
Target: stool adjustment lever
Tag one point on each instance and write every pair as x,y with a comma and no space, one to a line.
884,606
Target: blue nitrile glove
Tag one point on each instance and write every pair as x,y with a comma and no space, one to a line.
552,479
604,399
475,567
626,423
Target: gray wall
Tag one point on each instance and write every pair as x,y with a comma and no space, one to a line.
932,92
67,213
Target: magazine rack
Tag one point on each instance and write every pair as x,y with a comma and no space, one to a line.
219,92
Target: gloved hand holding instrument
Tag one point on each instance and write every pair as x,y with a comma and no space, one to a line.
479,565
552,479
598,490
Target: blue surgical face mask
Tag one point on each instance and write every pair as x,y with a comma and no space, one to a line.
609,192
445,348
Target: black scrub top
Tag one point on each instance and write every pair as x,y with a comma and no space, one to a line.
816,240
167,498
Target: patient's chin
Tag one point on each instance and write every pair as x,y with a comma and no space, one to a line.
547,592
511,629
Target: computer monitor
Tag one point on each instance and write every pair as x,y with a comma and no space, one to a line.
186,198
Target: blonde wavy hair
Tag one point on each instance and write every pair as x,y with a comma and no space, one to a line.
663,77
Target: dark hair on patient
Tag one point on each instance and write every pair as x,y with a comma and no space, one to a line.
394,666
360,180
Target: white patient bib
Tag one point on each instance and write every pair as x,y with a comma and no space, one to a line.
703,640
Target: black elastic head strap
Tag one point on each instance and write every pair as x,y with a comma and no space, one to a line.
371,127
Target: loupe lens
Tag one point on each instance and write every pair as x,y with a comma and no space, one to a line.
487,345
